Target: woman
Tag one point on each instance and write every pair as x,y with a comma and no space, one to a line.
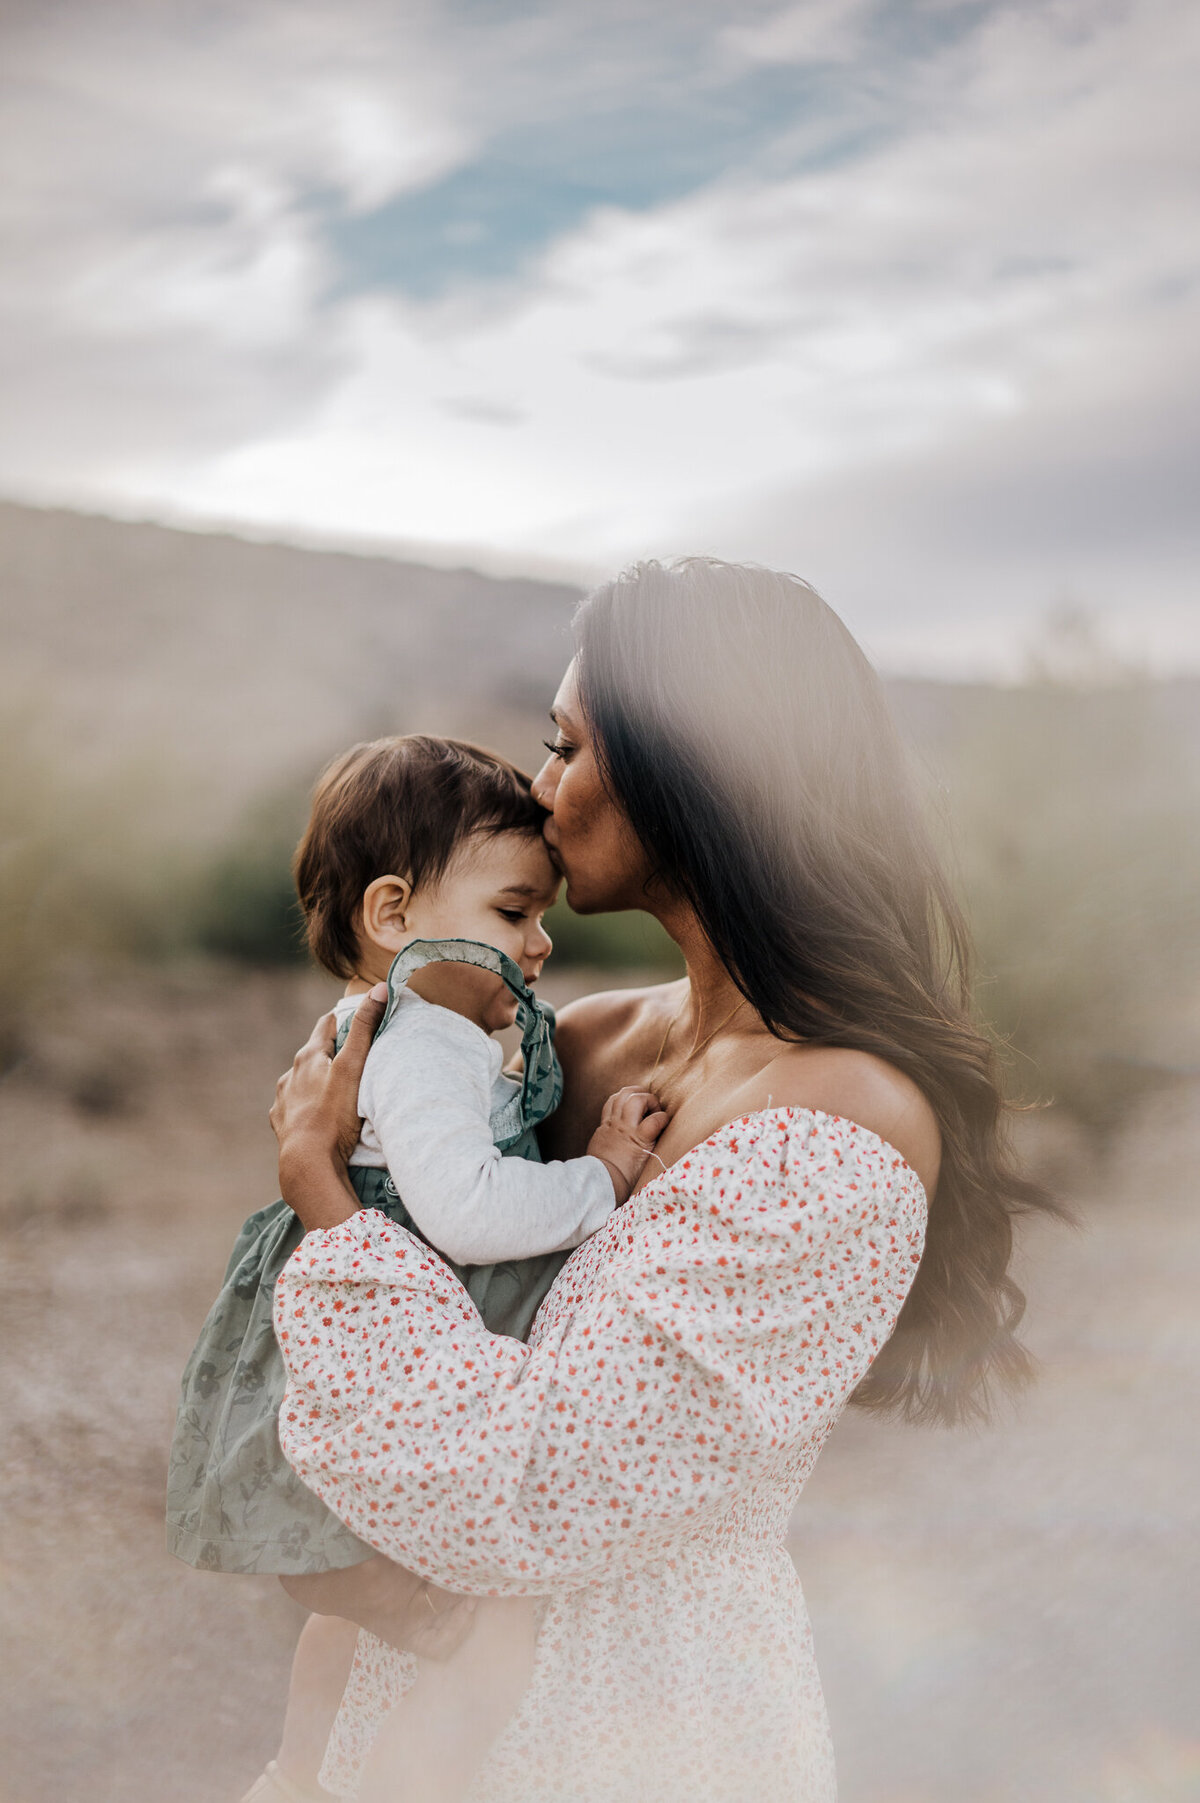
831,1218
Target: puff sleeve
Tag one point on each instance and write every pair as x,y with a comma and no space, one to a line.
693,1346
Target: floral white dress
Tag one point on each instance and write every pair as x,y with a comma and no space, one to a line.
636,1463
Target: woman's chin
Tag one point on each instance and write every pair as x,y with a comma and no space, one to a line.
581,898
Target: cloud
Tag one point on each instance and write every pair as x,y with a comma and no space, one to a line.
949,558
489,413
164,275
858,289
817,31
695,344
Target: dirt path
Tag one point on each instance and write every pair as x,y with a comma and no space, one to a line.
1003,1617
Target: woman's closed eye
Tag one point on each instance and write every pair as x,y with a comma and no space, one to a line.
559,749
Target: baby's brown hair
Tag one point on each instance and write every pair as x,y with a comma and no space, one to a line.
399,807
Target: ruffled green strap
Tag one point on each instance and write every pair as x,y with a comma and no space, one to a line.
541,1085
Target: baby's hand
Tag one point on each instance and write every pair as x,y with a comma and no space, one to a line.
629,1126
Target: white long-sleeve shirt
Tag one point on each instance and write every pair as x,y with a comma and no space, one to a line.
431,1085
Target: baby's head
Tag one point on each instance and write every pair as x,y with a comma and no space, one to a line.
423,838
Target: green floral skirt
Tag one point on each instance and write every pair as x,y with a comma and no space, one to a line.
233,1501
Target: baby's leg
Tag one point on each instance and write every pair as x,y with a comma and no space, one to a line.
433,1743
320,1668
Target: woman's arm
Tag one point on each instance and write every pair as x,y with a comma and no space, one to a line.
725,1322
395,1605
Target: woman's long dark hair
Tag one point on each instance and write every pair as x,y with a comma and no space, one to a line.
748,740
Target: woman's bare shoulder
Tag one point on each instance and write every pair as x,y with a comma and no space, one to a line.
614,1014
859,1087
603,1041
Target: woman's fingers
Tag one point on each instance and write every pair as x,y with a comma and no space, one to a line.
322,1039
363,1025
315,1116
441,1630
319,1044
374,1586
391,1602
427,1621
339,1592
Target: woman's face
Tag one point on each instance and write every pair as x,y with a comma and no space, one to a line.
588,833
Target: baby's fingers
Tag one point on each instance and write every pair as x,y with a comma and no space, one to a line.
614,1109
651,1125
632,1106
632,1094
445,1631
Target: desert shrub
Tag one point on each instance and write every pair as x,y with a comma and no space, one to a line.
244,905
79,884
629,941
1074,814
1071,807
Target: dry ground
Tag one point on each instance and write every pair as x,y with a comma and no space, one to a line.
1001,1617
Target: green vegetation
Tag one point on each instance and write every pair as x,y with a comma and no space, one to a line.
77,884
1074,814
243,904
1071,814
631,941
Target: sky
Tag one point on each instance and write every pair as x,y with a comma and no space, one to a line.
897,294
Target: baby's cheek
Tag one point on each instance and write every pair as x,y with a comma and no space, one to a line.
505,1008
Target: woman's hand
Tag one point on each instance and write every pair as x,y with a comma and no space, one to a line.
390,1602
316,1120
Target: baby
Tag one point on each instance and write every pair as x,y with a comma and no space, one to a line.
424,865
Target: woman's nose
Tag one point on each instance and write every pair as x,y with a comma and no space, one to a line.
545,783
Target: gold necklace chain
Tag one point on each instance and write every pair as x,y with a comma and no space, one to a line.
696,1049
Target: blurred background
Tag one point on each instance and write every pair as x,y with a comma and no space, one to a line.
342,348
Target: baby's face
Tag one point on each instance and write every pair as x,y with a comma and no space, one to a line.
495,889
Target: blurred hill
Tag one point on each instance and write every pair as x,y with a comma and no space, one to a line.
167,696
242,663
236,664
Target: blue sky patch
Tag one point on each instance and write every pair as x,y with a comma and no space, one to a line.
485,221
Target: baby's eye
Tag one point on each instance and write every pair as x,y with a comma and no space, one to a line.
559,749
513,914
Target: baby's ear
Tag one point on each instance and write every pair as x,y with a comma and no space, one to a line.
385,906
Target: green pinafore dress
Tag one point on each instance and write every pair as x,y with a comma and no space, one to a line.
233,1501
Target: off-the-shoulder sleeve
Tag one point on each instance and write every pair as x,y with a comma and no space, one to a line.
695,1344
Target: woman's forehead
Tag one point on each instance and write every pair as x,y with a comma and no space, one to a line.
566,703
